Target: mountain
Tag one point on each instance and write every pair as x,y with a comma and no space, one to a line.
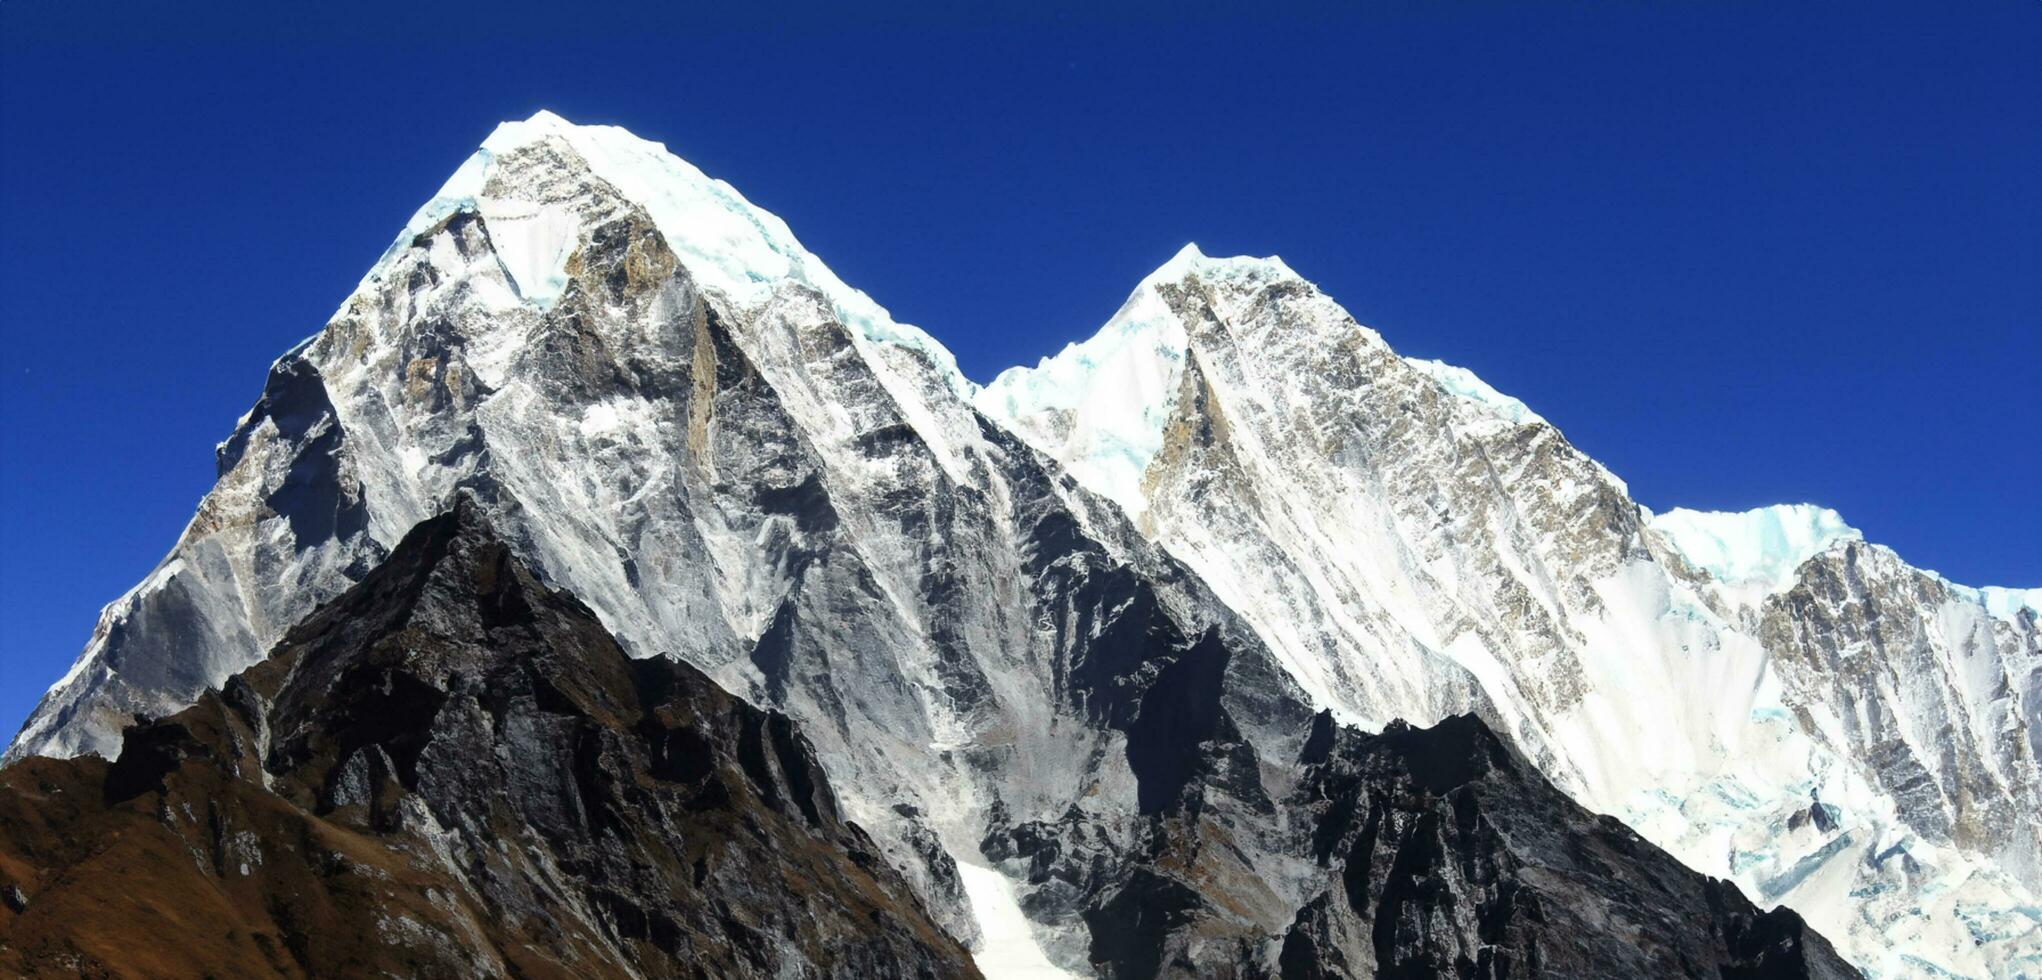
1412,543
452,770
1081,650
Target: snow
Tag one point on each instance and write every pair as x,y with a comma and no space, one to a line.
1756,553
1007,947
1757,550
1192,261
1999,603
1101,404
725,241
1680,723
1462,383
727,244
534,243
1116,390
2008,603
457,194
615,418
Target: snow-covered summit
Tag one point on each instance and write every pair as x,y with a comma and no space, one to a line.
1756,550
1414,543
1192,261
1103,401
728,244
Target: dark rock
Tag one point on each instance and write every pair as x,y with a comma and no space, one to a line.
452,770
1452,856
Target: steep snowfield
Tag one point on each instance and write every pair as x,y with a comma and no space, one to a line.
678,413
1105,400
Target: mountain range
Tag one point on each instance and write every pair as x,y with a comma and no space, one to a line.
605,556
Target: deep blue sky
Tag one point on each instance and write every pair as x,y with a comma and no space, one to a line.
1740,254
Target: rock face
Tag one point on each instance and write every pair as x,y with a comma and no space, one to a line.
1896,666
1456,858
453,771
1060,645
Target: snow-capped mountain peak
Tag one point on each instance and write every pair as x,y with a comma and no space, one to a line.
1101,404
1192,261
1413,542
729,245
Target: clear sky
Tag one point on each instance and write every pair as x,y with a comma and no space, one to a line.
1741,254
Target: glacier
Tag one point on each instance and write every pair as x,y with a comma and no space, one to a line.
1106,399
679,413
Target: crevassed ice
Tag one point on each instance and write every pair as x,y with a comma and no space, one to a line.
1754,549
728,244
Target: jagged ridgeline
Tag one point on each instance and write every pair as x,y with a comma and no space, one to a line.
1074,672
